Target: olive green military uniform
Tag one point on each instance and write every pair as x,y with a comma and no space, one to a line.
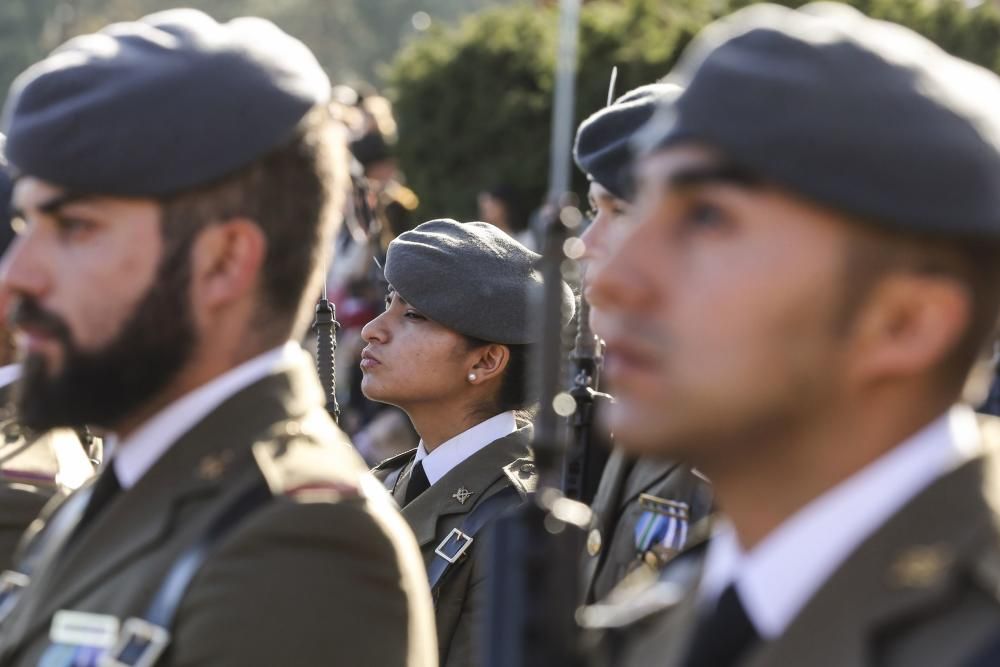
459,598
923,590
324,572
33,469
630,489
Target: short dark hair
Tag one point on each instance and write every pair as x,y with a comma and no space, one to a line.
972,263
293,194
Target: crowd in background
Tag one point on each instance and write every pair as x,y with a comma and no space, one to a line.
383,208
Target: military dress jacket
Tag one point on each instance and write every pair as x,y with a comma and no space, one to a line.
633,494
33,469
922,591
460,598
323,572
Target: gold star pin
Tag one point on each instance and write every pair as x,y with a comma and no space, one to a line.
212,466
462,495
921,566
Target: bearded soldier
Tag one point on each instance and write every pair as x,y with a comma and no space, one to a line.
178,180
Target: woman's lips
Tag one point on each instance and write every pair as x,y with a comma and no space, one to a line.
368,360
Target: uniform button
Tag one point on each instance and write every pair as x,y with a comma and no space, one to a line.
594,542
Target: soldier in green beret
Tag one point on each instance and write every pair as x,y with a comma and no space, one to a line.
451,351
646,510
813,274
179,182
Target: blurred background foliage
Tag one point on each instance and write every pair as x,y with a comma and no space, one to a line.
473,101
472,80
352,38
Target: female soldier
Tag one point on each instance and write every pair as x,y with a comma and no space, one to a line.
643,508
451,351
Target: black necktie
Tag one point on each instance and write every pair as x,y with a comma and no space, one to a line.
418,483
723,635
105,489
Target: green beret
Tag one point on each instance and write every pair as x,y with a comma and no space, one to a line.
864,116
472,278
152,107
603,148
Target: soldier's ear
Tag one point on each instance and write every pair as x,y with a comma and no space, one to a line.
490,361
909,325
226,261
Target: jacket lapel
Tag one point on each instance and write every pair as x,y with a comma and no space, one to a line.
140,518
476,475
645,474
656,613
402,481
605,511
668,642
610,490
910,564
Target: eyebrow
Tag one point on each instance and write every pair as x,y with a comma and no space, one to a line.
391,291
725,173
52,206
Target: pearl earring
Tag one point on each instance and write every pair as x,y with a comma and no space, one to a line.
472,377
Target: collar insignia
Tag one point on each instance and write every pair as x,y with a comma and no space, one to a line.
462,495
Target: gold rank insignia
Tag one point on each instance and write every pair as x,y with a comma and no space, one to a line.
673,508
921,566
212,466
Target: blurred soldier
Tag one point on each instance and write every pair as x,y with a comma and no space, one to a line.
392,203
644,508
451,351
814,270
178,183
33,467
502,205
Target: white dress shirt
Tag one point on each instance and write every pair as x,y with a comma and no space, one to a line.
136,454
452,452
9,374
778,577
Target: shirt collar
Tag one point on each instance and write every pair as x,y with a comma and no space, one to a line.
136,454
841,519
452,452
9,374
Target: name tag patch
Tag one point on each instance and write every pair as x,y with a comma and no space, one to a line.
79,628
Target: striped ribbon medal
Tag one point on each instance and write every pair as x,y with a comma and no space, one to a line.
65,655
79,639
664,523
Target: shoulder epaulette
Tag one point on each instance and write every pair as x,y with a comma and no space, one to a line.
303,469
397,461
523,475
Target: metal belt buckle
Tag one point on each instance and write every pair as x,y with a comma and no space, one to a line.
140,644
11,585
458,536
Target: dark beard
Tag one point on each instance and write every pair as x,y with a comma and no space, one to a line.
101,387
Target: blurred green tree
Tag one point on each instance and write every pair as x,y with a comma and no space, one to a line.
473,101
353,39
